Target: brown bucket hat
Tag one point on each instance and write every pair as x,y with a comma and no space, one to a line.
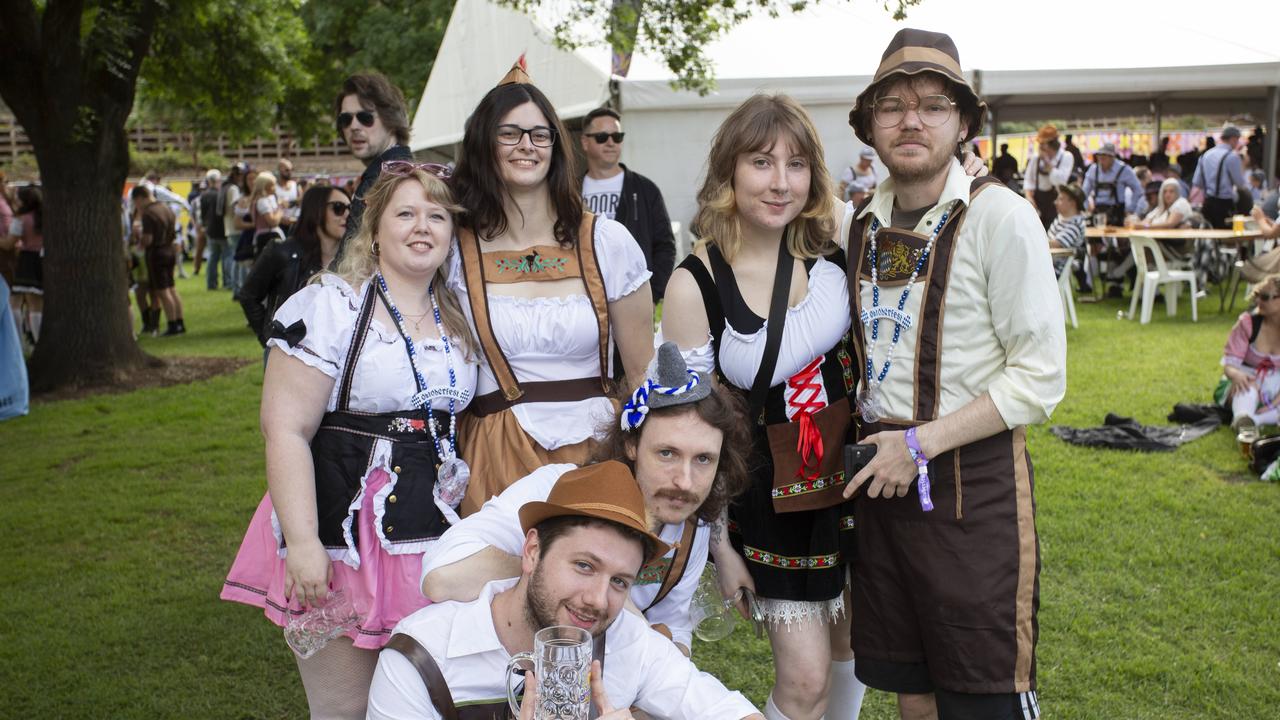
912,52
607,491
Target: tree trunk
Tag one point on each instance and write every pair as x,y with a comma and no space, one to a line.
72,91
87,336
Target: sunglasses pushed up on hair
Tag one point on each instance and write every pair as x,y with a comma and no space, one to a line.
405,168
364,117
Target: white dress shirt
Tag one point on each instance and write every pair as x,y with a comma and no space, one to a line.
641,668
1058,174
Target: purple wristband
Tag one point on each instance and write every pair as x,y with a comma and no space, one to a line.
922,469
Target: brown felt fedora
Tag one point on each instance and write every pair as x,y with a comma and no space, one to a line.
912,52
607,491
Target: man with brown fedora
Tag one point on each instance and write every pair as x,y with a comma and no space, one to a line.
945,584
584,547
685,440
1051,167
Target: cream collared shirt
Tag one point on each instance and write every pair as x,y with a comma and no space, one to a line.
1002,325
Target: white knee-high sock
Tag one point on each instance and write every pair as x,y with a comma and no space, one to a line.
845,699
36,319
771,711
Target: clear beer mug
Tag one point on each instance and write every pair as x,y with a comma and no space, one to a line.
561,662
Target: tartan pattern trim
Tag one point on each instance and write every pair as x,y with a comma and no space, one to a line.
804,562
804,487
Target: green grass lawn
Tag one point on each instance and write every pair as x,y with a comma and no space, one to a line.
122,514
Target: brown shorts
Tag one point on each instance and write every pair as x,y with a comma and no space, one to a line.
956,588
161,262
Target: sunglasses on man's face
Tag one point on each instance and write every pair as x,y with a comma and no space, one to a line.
603,137
364,117
339,208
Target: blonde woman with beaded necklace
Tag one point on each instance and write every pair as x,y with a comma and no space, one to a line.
370,367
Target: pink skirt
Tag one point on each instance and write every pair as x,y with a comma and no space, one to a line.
384,590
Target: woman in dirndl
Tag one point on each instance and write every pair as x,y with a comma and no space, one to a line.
370,369
548,289
761,302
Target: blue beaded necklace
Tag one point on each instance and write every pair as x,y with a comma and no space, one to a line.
869,402
446,450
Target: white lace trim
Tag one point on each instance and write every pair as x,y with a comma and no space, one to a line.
784,612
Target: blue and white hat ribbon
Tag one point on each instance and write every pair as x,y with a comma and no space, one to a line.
637,408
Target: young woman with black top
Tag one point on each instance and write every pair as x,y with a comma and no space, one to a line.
284,268
761,302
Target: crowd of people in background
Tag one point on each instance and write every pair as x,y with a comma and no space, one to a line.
435,336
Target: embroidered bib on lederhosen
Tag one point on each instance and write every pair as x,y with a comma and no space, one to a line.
898,252
536,264
806,419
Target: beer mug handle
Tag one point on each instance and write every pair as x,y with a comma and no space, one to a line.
515,661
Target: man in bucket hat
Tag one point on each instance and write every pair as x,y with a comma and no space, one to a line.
945,585
1111,187
583,550
687,450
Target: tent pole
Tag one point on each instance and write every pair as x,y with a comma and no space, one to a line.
1269,146
1159,113
995,149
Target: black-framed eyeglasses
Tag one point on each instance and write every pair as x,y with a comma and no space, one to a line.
933,110
339,208
539,135
364,117
603,137
408,167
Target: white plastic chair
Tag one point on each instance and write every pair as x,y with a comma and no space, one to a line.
1064,287
1149,279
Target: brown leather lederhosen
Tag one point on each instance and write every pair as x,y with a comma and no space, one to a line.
956,588
438,689
492,441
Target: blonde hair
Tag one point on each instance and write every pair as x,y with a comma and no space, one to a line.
1270,282
260,184
358,263
755,125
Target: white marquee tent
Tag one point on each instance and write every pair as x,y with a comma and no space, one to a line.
1157,58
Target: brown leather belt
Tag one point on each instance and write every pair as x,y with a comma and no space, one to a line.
543,391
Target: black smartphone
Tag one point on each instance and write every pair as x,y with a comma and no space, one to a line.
856,457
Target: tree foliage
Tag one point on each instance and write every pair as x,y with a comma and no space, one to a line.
230,68
398,38
674,30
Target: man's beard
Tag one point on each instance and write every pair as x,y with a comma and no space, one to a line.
916,170
539,609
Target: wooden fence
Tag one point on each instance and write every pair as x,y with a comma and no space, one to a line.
153,138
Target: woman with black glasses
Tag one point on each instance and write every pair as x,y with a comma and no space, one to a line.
548,288
283,268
